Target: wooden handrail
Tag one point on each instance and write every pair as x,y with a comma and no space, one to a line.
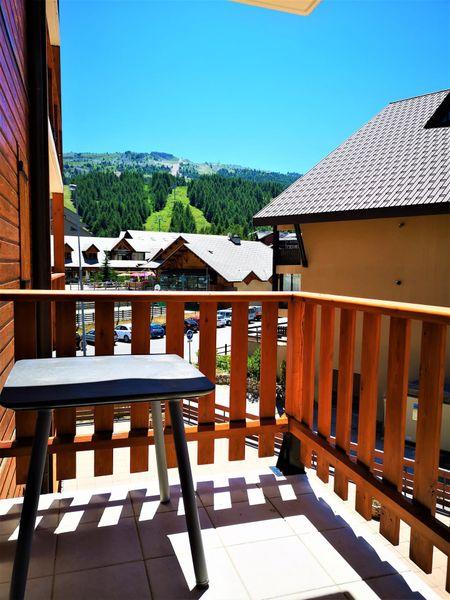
436,314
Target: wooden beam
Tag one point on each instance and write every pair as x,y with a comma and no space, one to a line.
368,398
428,435
238,378
345,394
395,419
324,408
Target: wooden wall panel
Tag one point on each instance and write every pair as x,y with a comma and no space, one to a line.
15,260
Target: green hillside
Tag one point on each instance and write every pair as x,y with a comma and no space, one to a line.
160,220
68,199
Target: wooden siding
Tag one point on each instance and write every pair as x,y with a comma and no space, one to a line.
15,264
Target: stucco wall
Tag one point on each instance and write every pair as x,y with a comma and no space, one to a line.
366,258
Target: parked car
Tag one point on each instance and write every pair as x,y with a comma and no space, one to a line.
90,337
156,331
191,324
221,322
225,314
258,312
251,314
123,333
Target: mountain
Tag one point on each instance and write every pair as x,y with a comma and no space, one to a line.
147,163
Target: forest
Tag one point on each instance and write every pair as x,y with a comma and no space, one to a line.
109,203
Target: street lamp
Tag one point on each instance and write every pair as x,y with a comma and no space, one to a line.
80,271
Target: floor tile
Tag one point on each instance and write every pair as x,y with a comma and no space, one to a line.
330,559
276,568
126,580
245,523
37,589
235,486
316,510
42,555
155,533
90,546
403,586
327,593
10,510
172,577
358,553
147,501
93,507
275,487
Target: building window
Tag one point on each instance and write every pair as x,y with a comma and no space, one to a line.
291,282
441,117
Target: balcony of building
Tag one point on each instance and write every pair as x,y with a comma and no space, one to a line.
102,531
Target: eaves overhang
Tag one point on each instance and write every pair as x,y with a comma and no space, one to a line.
413,210
296,7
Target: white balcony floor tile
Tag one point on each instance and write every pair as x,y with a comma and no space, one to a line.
266,536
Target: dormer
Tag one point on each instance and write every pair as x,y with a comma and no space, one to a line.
67,253
91,254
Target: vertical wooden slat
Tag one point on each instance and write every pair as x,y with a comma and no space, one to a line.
268,374
324,407
368,397
139,411
345,393
174,345
238,377
207,365
104,415
395,419
65,418
294,351
428,434
58,231
24,347
308,371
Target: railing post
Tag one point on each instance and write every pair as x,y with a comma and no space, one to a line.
368,398
139,411
345,394
395,419
207,365
238,377
308,373
268,374
104,415
428,434
65,418
324,405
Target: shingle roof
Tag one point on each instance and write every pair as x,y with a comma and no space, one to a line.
233,262
391,165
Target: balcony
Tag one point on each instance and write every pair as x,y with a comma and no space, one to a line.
266,535
289,255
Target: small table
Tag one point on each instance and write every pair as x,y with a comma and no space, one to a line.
49,383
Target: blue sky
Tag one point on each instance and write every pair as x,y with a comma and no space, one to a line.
218,81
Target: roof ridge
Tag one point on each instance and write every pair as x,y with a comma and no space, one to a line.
420,96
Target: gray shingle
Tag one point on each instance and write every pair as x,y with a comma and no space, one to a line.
392,161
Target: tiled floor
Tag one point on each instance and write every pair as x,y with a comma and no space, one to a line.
265,536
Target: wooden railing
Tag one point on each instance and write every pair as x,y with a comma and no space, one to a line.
313,320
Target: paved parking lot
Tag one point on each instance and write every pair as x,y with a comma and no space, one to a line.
158,346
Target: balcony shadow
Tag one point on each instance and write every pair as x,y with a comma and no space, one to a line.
95,531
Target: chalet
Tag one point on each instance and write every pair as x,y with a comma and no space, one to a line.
372,218
179,261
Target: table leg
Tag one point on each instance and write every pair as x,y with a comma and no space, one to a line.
189,499
30,505
160,450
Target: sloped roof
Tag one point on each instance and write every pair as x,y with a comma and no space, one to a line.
233,262
392,166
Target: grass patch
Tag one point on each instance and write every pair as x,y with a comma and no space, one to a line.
68,199
161,218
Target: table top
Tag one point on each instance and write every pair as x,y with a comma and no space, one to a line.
82,381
